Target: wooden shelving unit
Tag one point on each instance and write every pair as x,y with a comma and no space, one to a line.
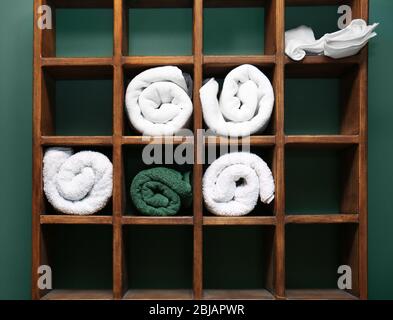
352,139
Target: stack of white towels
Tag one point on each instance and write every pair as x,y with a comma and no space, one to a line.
344,43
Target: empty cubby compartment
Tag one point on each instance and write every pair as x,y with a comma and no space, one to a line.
135,159
234,31
237,257
78,28
80,256
321,19
159,257
321,180
322,99
48,209
315,252
160,31
77,101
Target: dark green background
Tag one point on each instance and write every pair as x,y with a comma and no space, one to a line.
89,34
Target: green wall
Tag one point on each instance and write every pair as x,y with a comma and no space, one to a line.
15,124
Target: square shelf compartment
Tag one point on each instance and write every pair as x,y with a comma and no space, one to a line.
266,153
48,209
160,30
158,260
324,104
230,29
78,31
131,70
322,180
321,19
238,260
80,258
134,162
313,255
77,101
219,70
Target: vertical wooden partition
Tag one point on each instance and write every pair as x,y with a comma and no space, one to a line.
281,229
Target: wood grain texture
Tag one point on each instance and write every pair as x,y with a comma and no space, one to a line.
321,218
362,11
78,295
119,270
198,146
155,61
253,140
76,141
237,295
142,220
68,219
234,221
175,294
318,294
142,140
278,8
322,140
211,61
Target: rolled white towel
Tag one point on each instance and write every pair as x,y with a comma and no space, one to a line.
158,101
79,184
233,182
245,105
343,43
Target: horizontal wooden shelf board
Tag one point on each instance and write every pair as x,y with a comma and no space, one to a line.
246,220
72,219
221,60
76,140
75,62
159,294
69,294
144,220
253,140
322,140
81,4
142,140
256,294
233,3
189,3
314,2
321,66
151,61
321,218
312,60
318,294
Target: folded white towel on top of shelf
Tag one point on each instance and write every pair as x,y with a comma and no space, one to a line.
300,41
80,183
343,43
232,184
245,104
158,101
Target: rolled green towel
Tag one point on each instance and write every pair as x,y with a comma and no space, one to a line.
161,191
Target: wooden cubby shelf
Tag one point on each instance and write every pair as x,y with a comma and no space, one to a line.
284,229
